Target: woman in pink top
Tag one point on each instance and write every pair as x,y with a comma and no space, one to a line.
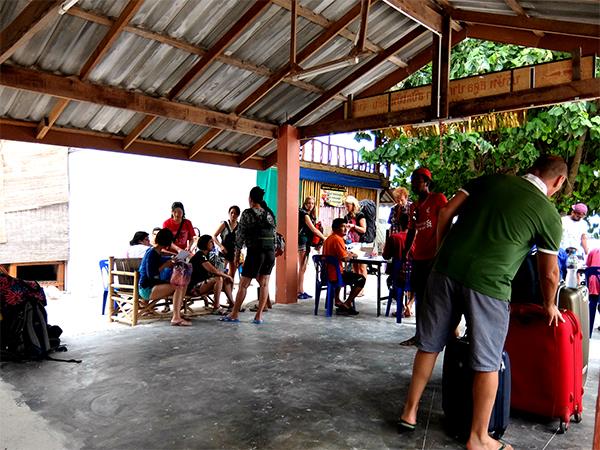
593,260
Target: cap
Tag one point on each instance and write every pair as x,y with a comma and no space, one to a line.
423,171
580,208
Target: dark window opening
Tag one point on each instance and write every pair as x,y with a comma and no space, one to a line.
42,272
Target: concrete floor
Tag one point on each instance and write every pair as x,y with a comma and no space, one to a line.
297,381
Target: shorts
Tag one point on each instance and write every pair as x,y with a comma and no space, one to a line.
195,286
258,262
418,277
145,292
353,279
487,321
303,243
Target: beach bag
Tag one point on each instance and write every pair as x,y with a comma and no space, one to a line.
316,241
182,274
368,208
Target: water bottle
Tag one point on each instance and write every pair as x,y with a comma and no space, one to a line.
571,279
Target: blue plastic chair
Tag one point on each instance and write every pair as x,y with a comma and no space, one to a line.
591,272
104,274
321,264
397,289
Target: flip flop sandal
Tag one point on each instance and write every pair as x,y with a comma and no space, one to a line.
257,321
181,323
228,319
405,427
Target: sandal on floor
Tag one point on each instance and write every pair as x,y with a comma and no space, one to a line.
258,321
181,323
409,342
405,427
228,319
255,308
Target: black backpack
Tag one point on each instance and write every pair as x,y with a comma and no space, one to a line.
25,333
369,209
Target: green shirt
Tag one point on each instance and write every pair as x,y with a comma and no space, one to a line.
502,218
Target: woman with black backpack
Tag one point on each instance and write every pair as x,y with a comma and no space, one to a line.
256,231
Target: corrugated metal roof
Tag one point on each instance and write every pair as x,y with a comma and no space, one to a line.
136,63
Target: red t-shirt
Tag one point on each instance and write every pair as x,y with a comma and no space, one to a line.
334,246
423,219
186,234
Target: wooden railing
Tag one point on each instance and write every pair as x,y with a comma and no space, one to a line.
319,152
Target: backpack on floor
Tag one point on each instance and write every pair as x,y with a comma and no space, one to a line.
25,333
368,208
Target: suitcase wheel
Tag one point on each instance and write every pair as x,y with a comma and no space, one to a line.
577,417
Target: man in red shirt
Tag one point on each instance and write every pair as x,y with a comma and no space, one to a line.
421,240
335,245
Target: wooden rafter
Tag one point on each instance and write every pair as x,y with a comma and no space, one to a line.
68,137
549,41
530,98
519,11
279,75
32,19
391,80
359,73
190,48
107,41
84,91
364,18
420,12
529,23
319,19
247,156
208,58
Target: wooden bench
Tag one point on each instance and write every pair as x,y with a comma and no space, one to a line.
125,304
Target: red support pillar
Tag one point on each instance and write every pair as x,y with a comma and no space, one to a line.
288,176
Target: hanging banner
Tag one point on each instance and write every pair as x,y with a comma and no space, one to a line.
332,196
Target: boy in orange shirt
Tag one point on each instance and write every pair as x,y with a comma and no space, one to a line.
336,246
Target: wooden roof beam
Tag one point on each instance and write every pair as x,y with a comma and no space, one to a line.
530,98
245,157
549,41
207,59
309,50
420,12
319,19
84,91
190,48
415,63
529,23
32,19
519,11
69,137
107,41
360,72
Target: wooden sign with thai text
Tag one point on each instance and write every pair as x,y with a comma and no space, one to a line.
474,87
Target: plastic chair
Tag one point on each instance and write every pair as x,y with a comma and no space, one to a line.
397,289
104,274
322,279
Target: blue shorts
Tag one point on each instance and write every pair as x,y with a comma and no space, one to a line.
487,321
145,293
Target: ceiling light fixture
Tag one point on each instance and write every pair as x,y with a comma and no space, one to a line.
67,4
326,67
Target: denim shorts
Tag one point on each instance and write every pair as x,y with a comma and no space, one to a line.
145,292
487,321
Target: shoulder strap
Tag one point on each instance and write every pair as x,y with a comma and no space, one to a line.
178,230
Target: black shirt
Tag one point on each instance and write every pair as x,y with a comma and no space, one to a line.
199,273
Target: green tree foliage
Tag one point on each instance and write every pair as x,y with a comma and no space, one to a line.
571,130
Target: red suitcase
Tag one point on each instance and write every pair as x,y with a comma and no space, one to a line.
546,364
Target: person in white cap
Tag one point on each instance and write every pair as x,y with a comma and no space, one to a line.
575,229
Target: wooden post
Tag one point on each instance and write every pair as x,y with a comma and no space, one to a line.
444,77
288,174
435,75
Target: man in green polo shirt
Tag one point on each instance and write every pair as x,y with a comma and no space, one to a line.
499,218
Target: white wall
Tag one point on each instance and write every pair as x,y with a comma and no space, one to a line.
113,195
